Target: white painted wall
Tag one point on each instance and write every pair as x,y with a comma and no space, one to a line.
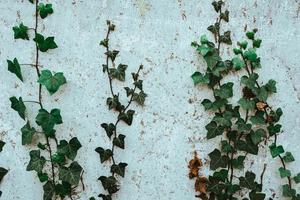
168,129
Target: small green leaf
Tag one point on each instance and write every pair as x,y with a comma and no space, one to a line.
63,190
225,91
1,145
44,44
48,120
139,97
276,150
112,54
52,82
43,177
297,178
258,118
274,129
225,38
71,174
36,162
243,44
18,105
287,191
254,195
119,72
247,145
225,16
203,39
284,172
238,162
127,117
104,197
49,191
238,63
45,10
288,157
217,160
271,86
213,130
119,141
250,35
246,104
200,78
248,181
237,51
217,5
14,67
3,172
104,154
212,59
20,32
114,103
69,149
257,136
118,169
251,55
109,129
27,133
109,183
257,43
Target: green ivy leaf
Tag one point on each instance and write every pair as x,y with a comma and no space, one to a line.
1,145
246,104
287,191
20,32
271,86
248,181
257,43
238,162
63,190
36,162
200,78
127,117
119,72
297,178
213,130
212,59
43,177
237,62
139,97
276,150
112,54
118,169
262,94
49,191
250,81
226,147
44,44
225,38
14,67
52,82
114,103
274,129
45,10
217,5
257,136
251,55
284,172
18,105
119,141
258,118
105,197
225,91
225,16
288,157
109,129
27,133
243,126
70,174
247,145
139,84
243,44
109,183
256,195
104,154
3,172
250,35
69,149
48,120
217,160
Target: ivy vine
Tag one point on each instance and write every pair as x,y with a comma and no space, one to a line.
59,173
124,114
244,127
3,171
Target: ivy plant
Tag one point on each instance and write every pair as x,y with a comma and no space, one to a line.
3,171
241,127
52,160
124,114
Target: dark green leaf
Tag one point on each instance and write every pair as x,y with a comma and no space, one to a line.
59,158
44,44
200,78
14,67
48,120
139,97
45,10
212,60
284,172
257,136
127,117
18,105
118,169
43,177
247,145
36,162
69,149
238,162
225,38
112,54
251,55
119,141
274,129
271,86
225,16
114,103
139,84
246,104
250,35
20,32
217,160
248,181
217,5
243,44
258,118
238,63
105,197
213,130
276,150
27,133
104,154
63,189
3,172
109,129
119,72
287,191
109,183
297,178
49,191
1,145
71,174
52,82
288,157
225,91
256,195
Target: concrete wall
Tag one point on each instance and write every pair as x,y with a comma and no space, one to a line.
170,127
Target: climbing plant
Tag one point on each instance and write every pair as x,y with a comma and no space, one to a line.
52,160
3,171
245,126
124,114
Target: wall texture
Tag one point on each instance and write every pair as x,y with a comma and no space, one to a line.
170,127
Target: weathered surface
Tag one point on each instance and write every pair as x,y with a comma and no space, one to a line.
171,125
